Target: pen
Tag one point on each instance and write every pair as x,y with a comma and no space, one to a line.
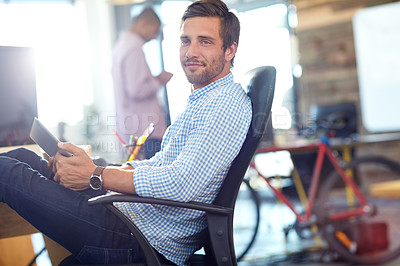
118,136
139,143
131,140
148,131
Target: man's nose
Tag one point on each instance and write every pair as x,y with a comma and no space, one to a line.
192,50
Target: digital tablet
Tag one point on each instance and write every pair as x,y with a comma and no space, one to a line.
45,139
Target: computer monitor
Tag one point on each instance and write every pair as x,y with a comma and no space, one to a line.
18,104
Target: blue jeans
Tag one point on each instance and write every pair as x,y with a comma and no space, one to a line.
93,234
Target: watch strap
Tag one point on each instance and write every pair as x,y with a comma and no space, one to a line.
98,170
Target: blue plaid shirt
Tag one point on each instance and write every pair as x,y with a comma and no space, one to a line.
196,153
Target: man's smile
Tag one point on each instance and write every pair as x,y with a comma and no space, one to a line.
193,65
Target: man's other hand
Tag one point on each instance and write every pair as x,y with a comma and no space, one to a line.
73,172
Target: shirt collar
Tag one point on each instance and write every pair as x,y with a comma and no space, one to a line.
196,94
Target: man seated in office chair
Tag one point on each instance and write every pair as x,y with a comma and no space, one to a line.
195,156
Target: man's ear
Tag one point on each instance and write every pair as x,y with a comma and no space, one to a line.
230,51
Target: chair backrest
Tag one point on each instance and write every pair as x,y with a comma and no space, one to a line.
259,83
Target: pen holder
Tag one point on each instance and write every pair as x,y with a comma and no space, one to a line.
134,152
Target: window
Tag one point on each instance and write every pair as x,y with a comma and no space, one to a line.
264,41
60,43
178,89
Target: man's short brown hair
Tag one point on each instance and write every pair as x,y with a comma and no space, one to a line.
230,26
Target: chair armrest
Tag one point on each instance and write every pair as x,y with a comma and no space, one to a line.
116,197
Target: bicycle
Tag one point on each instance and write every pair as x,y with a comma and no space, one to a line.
360,228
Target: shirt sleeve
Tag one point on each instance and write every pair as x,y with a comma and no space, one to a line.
150,161
140,83
217,134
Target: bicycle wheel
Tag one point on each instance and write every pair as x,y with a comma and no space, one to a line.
372,238
246,219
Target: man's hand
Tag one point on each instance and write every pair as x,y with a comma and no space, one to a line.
72,172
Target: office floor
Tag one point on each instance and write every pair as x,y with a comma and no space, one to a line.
271,246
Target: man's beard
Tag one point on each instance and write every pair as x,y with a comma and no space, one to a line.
211,71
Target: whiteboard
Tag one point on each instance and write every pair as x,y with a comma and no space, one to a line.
377,45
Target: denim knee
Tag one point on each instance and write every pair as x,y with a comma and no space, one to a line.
19,153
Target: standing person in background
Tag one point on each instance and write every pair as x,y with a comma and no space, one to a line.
136,100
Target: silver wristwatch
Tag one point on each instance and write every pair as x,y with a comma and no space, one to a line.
95,181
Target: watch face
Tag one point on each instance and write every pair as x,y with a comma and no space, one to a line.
95,182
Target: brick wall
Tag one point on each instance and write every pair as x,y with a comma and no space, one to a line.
327,56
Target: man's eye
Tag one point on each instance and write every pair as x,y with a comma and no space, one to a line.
205,42
184,42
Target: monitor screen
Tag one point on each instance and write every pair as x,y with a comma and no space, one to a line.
18,105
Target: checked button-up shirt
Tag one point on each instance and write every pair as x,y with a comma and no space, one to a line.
196,153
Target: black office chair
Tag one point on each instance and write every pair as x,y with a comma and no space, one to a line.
218,243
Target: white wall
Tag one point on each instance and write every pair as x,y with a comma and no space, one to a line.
377,42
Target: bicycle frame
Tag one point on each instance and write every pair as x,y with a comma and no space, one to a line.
323,150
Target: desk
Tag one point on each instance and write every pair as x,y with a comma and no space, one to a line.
304,145
343,144
367,139
12,225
